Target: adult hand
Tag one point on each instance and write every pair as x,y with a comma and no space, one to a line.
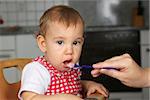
129,73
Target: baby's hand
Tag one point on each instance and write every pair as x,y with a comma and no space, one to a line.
96,87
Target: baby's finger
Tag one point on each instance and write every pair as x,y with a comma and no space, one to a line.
91,91
103,91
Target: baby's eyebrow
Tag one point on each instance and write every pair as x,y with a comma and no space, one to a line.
59,37
80,38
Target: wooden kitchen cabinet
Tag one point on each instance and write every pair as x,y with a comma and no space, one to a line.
26,46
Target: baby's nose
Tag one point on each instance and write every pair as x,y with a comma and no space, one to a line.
69,50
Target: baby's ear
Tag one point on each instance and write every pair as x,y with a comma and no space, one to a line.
41,43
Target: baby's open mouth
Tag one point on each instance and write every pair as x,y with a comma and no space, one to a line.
68,63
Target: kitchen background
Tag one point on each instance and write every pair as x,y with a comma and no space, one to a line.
94,12
112,28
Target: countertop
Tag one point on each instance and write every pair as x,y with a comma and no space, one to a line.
34,29
114,28
18,30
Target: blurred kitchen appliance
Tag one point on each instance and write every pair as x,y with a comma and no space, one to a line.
112,12
104,43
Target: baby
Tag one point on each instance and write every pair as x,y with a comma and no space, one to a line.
50,76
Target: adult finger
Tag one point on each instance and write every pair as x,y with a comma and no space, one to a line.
117,61
119,57
112,73
95,72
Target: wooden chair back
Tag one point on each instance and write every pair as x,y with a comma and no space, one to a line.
9,91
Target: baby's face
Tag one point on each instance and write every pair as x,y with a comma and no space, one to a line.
63,44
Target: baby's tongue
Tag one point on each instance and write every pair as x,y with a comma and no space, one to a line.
70,65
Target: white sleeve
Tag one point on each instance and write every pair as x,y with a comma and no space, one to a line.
35,78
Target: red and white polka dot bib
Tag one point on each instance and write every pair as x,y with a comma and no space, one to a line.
62,82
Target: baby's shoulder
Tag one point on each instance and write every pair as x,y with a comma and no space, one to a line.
36,66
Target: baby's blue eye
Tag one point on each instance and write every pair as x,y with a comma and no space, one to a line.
60,42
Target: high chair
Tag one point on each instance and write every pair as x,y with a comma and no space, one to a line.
10,91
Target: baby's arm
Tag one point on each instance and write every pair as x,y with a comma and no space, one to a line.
92,87
34,96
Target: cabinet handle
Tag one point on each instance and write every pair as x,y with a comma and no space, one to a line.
147,49
4,56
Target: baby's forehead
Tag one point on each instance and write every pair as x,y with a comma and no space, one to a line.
62,28
65,25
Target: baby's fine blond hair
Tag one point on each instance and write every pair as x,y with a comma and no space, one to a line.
60,13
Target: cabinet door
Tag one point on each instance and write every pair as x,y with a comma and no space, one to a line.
145,37
7,42
7,54
7,47
26,46
145,48
145,55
